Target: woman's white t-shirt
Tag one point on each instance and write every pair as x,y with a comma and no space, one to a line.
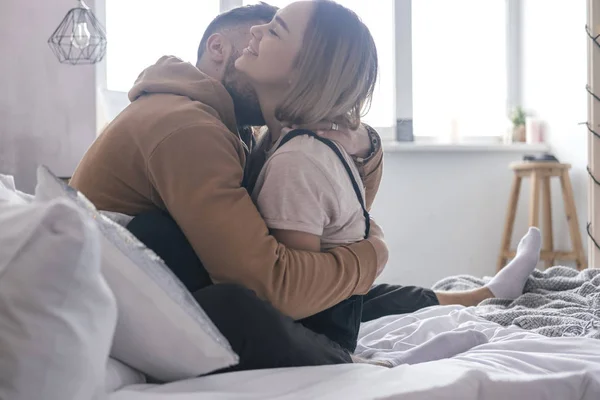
303,186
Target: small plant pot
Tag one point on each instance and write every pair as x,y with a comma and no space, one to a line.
519,134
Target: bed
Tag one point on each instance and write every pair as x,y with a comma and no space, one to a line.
508,362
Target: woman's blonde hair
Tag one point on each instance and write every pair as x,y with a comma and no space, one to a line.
336,70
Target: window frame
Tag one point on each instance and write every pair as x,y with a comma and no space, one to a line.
402,61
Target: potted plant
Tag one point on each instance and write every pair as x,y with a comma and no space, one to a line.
518,120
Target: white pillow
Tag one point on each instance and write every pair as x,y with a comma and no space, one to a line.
119,218
10,194
161,330
119,375
57,314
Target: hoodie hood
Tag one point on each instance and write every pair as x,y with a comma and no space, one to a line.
170,75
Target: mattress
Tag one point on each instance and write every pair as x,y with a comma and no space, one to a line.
510,363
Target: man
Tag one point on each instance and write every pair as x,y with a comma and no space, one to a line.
176,149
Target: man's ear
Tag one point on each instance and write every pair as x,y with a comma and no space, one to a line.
218,48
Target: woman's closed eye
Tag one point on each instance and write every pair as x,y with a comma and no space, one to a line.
272,32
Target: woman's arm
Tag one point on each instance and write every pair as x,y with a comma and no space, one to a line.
297,240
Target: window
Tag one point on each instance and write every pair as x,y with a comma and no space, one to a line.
459,68
447,69
139,32
380,21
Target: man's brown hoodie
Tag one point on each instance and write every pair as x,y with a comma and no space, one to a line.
176,148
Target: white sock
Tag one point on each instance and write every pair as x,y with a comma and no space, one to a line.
510,281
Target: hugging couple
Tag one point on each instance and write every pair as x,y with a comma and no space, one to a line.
268,227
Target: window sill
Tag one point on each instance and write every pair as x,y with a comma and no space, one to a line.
412,147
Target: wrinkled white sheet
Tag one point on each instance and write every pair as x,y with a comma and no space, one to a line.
392,337
512,364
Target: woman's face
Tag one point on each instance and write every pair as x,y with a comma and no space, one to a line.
269,58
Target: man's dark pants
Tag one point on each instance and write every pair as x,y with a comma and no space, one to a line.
261,335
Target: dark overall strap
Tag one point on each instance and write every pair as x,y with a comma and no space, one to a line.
336,150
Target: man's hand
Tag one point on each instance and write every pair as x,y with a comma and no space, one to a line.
377,240
356,142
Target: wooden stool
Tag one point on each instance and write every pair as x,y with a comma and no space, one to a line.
540,173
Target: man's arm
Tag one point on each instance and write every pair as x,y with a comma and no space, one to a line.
364,145
371,172
197,171
371,167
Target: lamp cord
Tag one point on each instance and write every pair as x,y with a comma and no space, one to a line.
595,134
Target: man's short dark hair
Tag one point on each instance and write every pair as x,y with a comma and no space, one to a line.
261,12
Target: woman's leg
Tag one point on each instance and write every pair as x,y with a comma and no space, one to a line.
339,323
509,282
260,335
160,233
385,300
467,298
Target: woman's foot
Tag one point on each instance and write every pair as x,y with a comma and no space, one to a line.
510,280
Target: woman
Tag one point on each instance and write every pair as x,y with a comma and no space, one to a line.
309,198
314,62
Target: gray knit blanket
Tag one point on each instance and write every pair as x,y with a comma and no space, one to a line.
559,301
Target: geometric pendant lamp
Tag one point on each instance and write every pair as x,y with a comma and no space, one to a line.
80,38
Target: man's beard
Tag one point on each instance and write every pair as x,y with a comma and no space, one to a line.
245,103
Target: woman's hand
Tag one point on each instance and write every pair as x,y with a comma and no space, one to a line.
377,240
356,142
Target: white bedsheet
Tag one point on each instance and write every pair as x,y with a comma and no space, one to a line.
513,364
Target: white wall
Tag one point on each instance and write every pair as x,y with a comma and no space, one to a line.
443,213
47,110
554,76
